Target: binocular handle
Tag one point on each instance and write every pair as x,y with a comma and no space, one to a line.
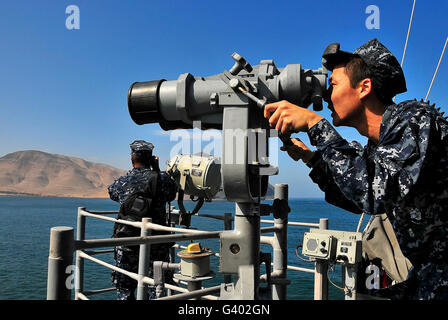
240,64
235,84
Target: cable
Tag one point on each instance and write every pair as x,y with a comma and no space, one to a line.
297,253
407,37
437,69
328,277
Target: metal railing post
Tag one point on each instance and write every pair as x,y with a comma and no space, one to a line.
143,262
321,271
280,245
172,259
60,261
79,264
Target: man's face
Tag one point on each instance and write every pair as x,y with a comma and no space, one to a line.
345,100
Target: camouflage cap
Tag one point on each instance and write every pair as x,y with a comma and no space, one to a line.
387,74
141,145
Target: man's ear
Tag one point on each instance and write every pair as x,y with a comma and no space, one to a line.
365,88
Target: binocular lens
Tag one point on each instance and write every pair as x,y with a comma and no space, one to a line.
143,102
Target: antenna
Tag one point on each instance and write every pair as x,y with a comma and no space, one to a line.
409,31
437,69
407,37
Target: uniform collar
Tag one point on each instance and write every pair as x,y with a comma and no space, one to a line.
142,168
387,120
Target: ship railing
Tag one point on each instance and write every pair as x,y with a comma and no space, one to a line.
63,245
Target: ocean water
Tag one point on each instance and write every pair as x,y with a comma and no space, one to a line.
25,231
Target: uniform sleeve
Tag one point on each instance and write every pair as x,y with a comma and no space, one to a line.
114,190
333,195
370,179
337,157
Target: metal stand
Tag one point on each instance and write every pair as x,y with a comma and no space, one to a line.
247,223
350,277
194,283
280,246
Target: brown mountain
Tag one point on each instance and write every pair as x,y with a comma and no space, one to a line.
43,174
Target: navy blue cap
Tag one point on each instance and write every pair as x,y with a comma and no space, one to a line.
386,72
141,145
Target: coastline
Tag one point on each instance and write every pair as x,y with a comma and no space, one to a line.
24,194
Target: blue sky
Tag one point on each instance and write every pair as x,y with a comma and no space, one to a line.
64,91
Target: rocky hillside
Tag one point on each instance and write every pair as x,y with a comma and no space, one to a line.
44,174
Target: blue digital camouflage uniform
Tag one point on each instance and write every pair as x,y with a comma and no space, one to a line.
135,180
127,257
405,176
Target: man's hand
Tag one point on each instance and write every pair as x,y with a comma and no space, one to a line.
299,151
288,118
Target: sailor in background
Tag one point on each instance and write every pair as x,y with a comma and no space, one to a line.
402,170
136,180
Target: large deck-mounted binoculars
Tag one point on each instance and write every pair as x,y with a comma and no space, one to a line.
231,101
176,104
